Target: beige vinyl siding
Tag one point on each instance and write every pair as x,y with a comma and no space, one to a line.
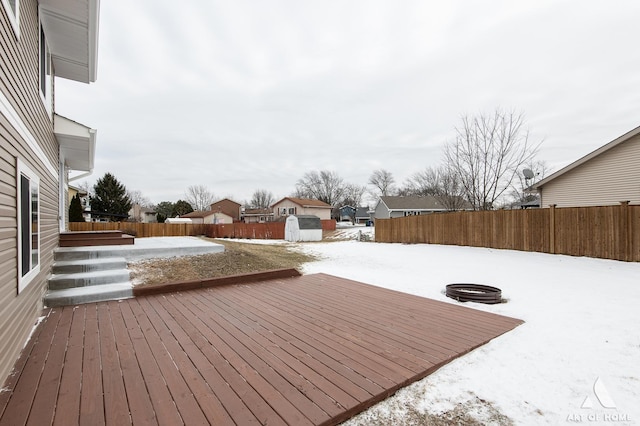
606,179
19,85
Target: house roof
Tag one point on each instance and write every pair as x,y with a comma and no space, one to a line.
71,27
305,202
413,202
226,199
589,156
197,214
257,212
362,212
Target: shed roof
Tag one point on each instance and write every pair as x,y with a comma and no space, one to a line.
306,221
197,214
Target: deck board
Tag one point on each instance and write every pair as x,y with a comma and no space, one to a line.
309,350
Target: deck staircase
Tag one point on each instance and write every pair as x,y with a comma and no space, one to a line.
82,274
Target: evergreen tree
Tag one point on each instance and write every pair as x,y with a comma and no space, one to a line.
110,198
181,207
75,209
164,210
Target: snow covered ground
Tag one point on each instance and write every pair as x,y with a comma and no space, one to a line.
582,325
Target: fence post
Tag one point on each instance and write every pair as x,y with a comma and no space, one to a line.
625,227
552,228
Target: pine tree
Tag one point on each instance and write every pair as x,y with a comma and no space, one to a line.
110,198
76,210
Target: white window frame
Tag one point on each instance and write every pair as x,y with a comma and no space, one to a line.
45,77
14,16
26,277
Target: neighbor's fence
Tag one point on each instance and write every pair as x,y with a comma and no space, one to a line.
609,232
269,230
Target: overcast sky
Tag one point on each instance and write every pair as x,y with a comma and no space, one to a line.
243,95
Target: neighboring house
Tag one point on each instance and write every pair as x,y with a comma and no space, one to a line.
363,215
400,206
606,176
359,215
142,214
38,40
215,217
257,215
301,206
73,191
229,208
346,213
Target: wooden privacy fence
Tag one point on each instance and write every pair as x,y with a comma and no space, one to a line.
608,232
269,230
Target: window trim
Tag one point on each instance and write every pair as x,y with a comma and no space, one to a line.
14,16
45,88
34,270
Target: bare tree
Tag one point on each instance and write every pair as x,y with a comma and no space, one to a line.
136,197
383,182
441,182
199,197
262,199
486,154
353,195
324,185
425,182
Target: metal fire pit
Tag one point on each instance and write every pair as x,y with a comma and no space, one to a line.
474,293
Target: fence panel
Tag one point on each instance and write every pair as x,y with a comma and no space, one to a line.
609,232
271,230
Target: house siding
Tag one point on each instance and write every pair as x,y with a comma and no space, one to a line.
606,179
19,87
322,213
228,207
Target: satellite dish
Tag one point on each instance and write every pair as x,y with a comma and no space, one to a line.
528,174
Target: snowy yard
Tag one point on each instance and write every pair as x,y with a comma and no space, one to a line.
582,323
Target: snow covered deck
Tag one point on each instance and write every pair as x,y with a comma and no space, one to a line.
308,350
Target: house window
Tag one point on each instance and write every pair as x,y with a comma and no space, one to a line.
284,211
28,225
45,71
13,11
292,210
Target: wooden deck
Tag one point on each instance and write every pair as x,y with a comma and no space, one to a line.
309,350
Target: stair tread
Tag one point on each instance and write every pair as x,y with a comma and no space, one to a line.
91,289
90,274
93,261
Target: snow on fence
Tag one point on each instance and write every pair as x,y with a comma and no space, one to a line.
269,230
608,232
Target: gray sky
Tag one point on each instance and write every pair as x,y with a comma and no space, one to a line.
244,95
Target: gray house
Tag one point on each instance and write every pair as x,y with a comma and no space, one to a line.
400,206
606,176
39,40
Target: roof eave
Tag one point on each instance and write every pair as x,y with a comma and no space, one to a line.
588,157
71,28
77,143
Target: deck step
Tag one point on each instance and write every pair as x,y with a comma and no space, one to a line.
95,238
88,265
85,279
91,294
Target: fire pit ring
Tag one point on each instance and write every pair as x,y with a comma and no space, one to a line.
474,293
